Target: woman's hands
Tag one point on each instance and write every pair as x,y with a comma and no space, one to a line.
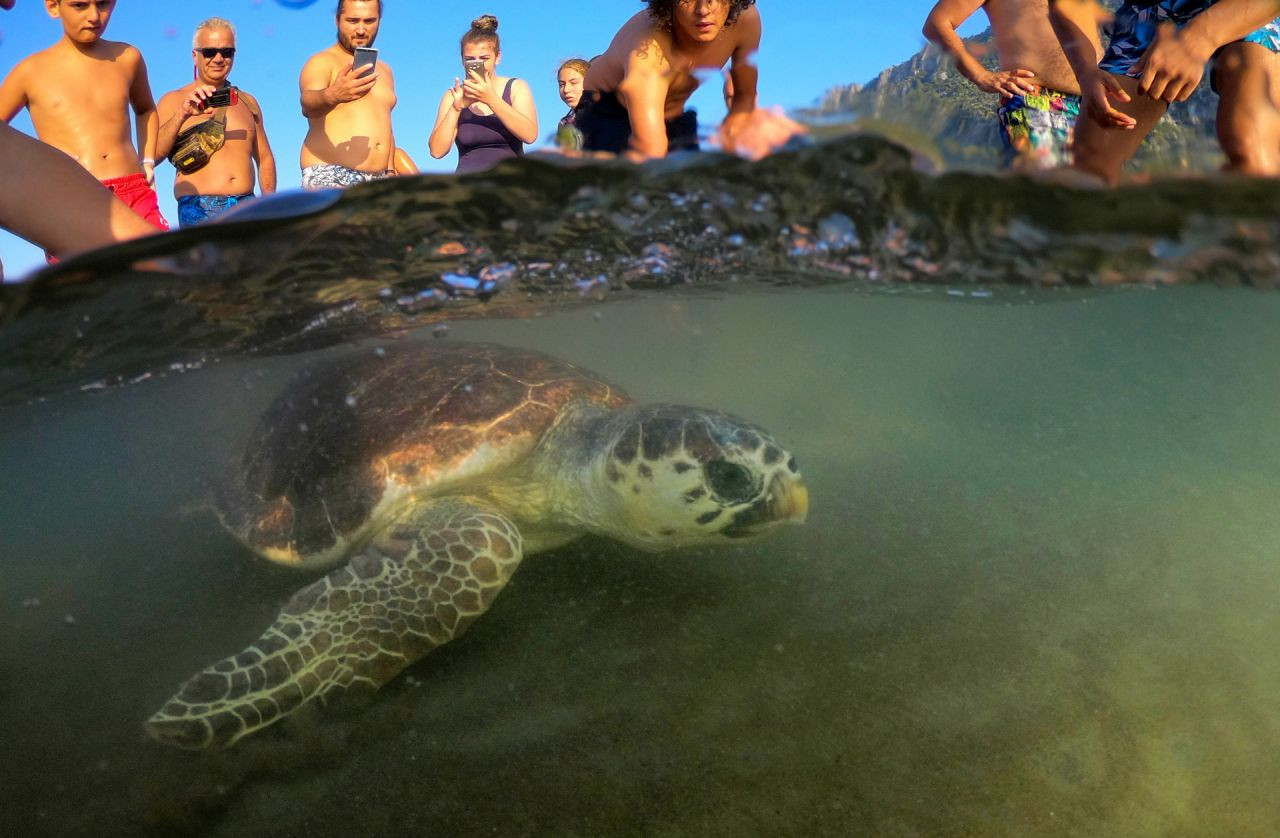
479,89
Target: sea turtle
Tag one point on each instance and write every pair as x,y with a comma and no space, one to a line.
427,471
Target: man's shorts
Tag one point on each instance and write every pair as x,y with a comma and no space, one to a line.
606,125
141,198
1135,27
193,209
331,175
1037,128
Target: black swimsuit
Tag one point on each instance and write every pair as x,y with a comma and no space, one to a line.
606,125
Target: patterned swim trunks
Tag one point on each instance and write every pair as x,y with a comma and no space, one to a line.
193,209
1135,27
331,175
1037,128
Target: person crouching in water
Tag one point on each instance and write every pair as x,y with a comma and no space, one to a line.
214,149
489,117
634,101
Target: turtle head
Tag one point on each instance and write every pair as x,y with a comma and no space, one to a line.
687,477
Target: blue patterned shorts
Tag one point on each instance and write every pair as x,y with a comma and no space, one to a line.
331,175
193,209
1134,30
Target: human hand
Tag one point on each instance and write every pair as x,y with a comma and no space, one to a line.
460,98
1172,66
1097,90
757,133
148,167
480,89
352,84
194,103
1007,83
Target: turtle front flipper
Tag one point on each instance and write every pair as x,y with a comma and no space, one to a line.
416,586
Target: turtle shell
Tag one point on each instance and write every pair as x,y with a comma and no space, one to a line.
351,440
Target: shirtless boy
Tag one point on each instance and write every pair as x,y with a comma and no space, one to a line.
1039,95
79,92
1157,55
349,140
634,94
207,189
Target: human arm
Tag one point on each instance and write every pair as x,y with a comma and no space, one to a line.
403,163
940,28
262,153
13,93
322,90
445,131
172,110
1173,65
643,90
748,130
144,110
520,117
1071,21
50,200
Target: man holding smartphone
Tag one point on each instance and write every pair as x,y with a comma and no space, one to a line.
347,99
213,133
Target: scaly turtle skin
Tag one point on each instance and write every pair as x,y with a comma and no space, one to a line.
425,473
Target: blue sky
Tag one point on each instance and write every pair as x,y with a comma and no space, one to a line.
807,48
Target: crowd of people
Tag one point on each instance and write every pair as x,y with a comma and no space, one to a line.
1067,97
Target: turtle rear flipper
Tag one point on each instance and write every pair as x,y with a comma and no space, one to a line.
416,586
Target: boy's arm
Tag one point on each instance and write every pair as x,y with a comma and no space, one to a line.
1172,67
262,153
144,109
1071,19
749,130
643,91
13,93
940,28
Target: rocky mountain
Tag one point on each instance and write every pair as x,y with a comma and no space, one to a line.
925,103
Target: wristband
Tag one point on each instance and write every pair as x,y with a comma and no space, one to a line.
148,161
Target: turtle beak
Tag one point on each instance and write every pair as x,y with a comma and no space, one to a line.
788,499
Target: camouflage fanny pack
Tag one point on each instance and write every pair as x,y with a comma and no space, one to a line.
194,146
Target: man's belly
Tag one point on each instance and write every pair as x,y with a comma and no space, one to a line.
362,153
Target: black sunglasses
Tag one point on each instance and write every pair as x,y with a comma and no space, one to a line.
210,52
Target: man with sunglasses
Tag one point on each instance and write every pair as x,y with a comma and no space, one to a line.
214,146
79,93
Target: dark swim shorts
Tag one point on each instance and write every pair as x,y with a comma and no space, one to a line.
606,125
1136,24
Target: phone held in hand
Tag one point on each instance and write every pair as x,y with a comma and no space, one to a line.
364,57
223,97
474,67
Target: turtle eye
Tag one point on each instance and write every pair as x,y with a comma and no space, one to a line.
729,481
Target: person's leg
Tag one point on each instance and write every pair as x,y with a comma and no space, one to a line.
1248,122
1102,152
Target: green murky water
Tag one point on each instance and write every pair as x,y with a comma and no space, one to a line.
1037,594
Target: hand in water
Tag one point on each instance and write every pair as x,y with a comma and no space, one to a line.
755,134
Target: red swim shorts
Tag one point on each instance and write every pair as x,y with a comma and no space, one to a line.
141,198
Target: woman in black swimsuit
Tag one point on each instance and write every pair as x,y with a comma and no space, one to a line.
488,117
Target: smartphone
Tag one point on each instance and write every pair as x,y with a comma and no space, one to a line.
364,57
474,67
224,97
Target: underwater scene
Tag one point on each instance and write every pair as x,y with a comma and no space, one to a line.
1035,591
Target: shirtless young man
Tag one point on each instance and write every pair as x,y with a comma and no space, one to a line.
1039,95
79,92
634,94
210,189
1157,55
350,139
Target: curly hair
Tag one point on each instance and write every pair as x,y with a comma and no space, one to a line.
663,12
